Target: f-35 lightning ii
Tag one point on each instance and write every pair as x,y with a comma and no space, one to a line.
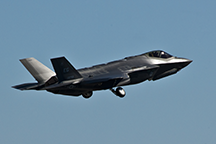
66,80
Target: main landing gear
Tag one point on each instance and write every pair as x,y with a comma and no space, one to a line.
87,94
119,92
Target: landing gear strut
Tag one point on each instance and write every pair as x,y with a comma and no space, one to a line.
119,92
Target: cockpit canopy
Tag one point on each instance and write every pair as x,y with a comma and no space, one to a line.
159,54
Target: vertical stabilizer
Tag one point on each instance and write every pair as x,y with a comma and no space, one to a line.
39,71
64,70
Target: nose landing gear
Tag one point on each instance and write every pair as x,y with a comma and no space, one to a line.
119,92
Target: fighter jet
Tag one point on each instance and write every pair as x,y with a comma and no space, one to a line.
67,80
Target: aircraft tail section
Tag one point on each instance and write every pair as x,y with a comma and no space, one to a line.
39,71
64,70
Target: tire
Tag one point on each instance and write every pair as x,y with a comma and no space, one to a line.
87,94
120,92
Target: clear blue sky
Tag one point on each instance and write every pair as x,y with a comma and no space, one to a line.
179,109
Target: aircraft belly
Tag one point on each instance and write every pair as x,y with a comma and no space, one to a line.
67,92
84,86
100,84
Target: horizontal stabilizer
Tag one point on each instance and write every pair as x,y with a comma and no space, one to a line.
26,86
64,70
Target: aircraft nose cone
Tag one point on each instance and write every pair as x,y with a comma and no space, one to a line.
186,63
189,61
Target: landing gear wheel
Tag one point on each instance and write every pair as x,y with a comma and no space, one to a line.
119,92
87,94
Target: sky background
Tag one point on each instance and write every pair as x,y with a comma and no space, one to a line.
176,109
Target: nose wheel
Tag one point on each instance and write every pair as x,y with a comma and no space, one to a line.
119,92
